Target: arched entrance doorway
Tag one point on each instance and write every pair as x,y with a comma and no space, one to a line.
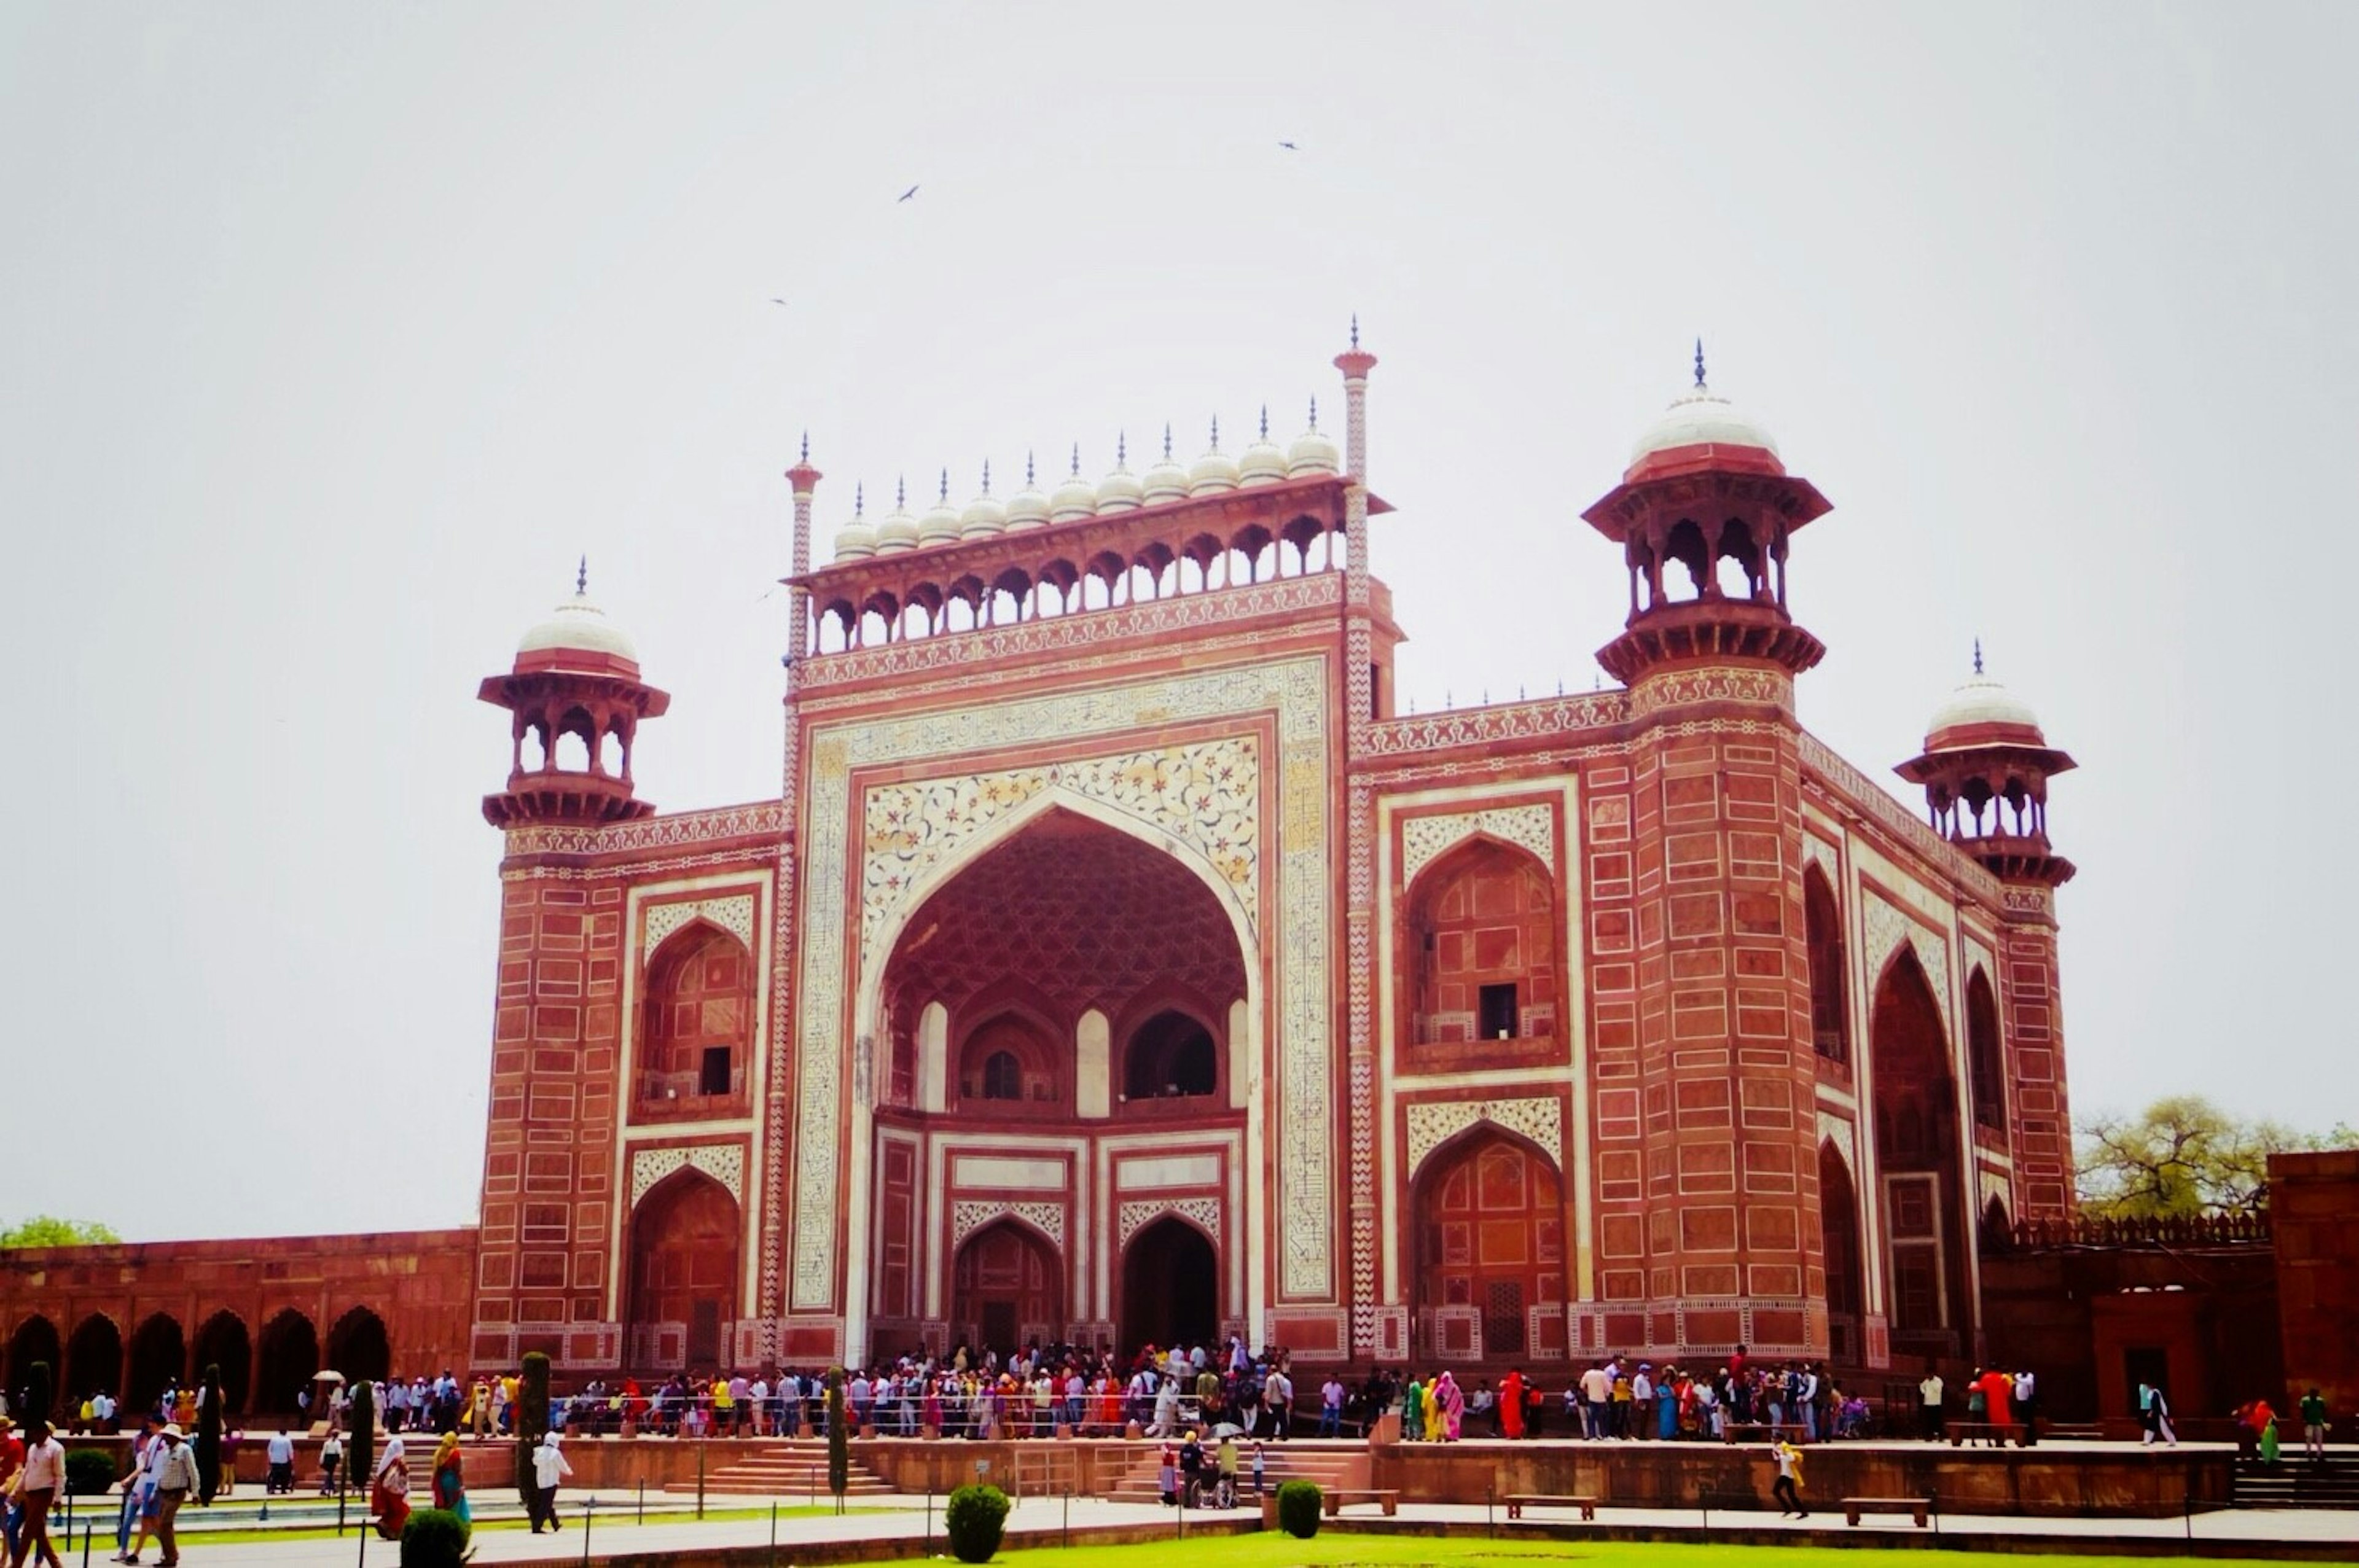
684,1258
1922,1167
1839,1238
1489,1245
222,1342
159,1359
358,1348
93,1358
1065,978
285,1361
35,1339
1006,1289
1170,1287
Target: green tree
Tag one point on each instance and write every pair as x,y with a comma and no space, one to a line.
2184,1156
839,1439
48,1230
360,1444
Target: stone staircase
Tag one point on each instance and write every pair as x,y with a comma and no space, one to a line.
1330,1463
2294,1482
794,1468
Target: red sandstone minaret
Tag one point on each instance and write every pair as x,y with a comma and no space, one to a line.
576,674
1986,769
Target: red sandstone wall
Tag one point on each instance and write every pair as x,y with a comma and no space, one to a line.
2314,1209
415,1282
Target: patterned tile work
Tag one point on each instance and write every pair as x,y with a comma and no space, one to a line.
763,818
1140,1213
1296,690
1882,929
1432,1123
1424,838
724,1162
1081,914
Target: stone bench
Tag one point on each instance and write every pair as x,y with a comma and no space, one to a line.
1995,1431
1516,1504
1337,1497
1764,1428
1916,1508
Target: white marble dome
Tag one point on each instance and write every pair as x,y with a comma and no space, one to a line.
1312,452
899,531
1982,704
1215,472
1164,479
1076,497
1263,462
579,625
857,540
941,523
1027,508
1702,417
1121,490
983,515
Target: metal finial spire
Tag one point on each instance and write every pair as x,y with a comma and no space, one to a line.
582,587
900,493
1028,468
1216,432
1166,440
1978,655
859,497
945,495
806,446
986,476
1314,414
1077,459
1699,362
1264,421
1121,448
1355,329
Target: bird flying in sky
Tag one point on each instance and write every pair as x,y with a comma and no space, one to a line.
1290,147
906,194
776,300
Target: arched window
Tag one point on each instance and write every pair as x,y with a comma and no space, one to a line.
1983,1060
1482,931
1829,1022
1003,1076
696,1025
1171,1057
1011,1059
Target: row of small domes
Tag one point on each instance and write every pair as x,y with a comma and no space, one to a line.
1263,462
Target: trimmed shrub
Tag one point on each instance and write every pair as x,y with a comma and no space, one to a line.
359,1439
90,1471
434,1538
973,1523
1298,1508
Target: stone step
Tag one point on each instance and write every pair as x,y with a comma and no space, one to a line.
2299,1483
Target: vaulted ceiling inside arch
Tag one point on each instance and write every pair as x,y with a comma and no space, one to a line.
1077,915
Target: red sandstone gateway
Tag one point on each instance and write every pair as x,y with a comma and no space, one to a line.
1118,965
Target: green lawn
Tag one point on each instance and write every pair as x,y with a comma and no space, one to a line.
618,1518
1272,1550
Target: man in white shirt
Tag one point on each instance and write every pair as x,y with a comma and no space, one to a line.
1331,1407
280,1451
1931,1420
38,1485
1596,1395
2026,1407
548,1470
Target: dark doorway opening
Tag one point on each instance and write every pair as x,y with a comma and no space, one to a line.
358,1348
286,1361
93,1358
1170,1287
159,1359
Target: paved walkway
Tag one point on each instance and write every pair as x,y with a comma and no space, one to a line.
1043,1519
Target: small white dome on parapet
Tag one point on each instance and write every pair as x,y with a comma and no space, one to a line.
1121,489
983,515
1312,451
1164,480
940,525
579,625
899,532
1262,462
1027,508
1215,472
1074,499
856,541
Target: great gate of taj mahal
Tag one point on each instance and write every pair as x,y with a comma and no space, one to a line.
1117,964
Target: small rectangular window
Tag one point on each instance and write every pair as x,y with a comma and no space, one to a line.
1496,1010
714,1079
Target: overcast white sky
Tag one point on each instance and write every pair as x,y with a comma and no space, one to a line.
333,333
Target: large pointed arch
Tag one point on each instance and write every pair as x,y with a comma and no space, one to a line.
686,1240
1985,1060
1920,1160
1830,970
93,1358
1479,938
1488,1242
1847,1275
